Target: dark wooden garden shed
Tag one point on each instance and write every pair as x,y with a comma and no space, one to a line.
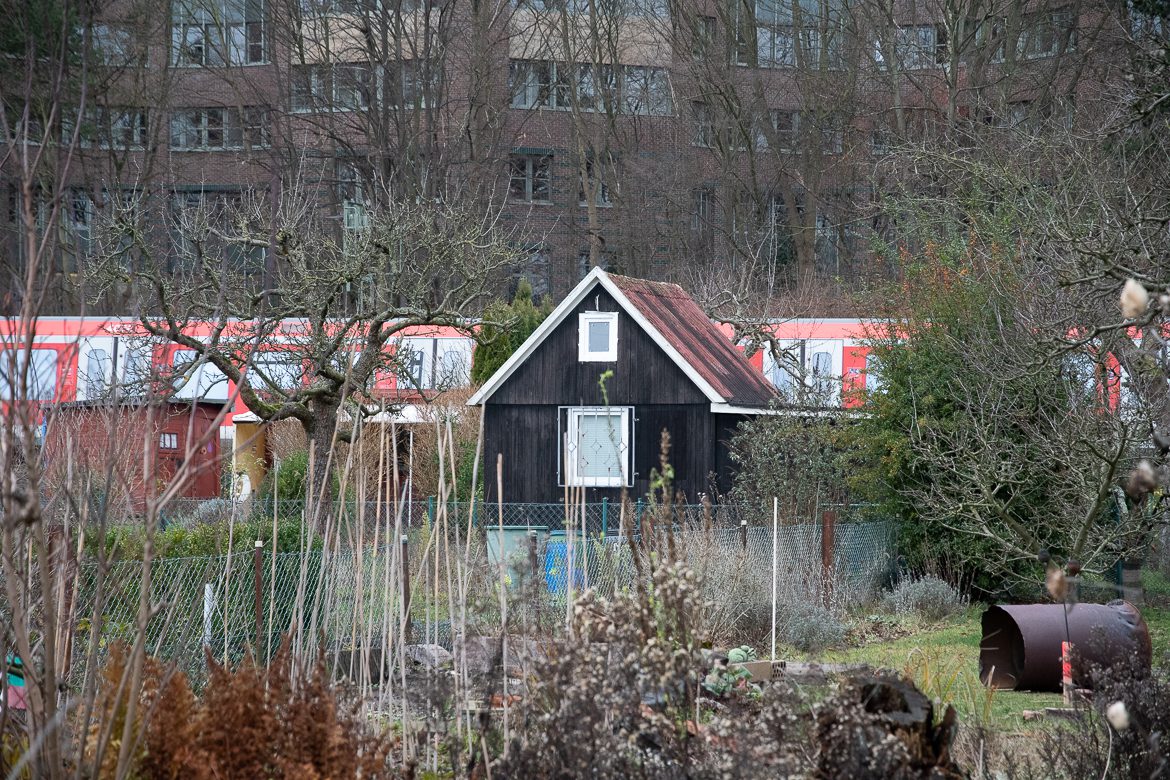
585,399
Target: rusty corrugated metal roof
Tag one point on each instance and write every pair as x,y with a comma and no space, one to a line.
698,340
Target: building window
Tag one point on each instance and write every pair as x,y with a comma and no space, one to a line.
317,8
704,125
702,209
112,45
530,178
598,446
645,91
631,89
168,441
594,181
212,129
1046,34
832,138
115,128
40,383
535,268
786,127
786,33
703,37
352,86
597,337
584,265
218,32
356,86
915,47
79,223
988,35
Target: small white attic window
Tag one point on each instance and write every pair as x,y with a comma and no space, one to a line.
597,337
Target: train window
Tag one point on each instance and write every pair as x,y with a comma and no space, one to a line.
275,373
41,379
97,373
136,369
195,379
453,365
873,377
822,370
1081,373
779,373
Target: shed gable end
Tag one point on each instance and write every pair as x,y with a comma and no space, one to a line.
553,374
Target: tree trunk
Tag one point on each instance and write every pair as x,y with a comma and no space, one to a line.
319,484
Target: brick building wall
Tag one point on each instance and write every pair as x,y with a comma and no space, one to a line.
754,154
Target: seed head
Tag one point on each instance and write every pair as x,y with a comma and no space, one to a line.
1118,716
1142,480
1134,299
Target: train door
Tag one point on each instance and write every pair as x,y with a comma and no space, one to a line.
809,369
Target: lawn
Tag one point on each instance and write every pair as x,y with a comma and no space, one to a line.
944,659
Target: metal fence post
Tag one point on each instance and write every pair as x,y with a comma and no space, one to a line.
638,515
743,534
257,565
828,544
532,563
604,517
406,590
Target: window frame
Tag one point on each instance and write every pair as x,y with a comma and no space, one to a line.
44,368
584,320
225,33
532,165
570,460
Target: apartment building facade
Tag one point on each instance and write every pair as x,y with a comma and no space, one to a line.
675,141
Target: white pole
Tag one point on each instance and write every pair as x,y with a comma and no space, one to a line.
775,538
208,611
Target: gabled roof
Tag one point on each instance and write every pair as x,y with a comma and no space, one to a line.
677,325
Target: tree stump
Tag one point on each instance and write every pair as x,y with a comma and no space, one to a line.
883,727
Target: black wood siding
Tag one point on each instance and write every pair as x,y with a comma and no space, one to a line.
643,373
521,417
526,435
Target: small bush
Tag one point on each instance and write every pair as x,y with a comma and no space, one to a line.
128,542
809,627
929,598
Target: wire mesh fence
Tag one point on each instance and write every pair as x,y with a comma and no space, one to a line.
227,606
604,517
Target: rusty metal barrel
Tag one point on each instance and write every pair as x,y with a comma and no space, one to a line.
1021,643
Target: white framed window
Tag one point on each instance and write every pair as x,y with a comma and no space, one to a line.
40,383
597,336
195,379
168,441
597,451
275,372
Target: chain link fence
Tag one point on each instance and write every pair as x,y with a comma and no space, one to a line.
212,604
603,517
